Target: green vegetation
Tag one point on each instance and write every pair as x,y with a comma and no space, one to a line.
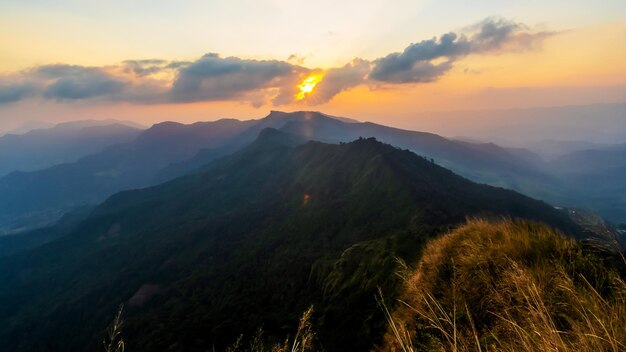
509,286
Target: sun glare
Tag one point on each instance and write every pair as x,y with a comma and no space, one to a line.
307,86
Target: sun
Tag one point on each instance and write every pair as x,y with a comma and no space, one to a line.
307,85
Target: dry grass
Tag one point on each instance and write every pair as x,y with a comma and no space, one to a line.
302,341
114,341
508,286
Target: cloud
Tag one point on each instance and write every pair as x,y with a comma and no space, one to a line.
427,60
259,82
68,82
337,80
214,78
415,64
390,70
146,67
296,59
494,33
10,93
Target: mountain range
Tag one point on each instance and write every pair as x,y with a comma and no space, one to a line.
551,131
66,142
257,235
169,150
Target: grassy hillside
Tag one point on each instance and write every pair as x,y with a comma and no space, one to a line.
509,286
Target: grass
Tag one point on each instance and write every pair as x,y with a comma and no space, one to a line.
508,286
114,341
488,286
303,341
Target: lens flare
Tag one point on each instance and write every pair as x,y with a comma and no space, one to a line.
307,86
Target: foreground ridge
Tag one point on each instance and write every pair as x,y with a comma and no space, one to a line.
511,286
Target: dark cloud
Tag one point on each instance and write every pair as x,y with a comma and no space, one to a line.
71,88
10,93
68,82
414,63
400,69
494,33
215,78
427,60
499,34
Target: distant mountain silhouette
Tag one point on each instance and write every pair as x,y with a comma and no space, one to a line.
66,142
532,127
37,198
552,149
591,160
263,232
595,179
28,126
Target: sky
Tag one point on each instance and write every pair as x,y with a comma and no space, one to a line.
393,62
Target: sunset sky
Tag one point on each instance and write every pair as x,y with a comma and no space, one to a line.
390,62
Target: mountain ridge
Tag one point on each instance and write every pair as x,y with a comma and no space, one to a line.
169,150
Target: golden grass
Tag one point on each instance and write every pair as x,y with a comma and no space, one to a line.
508,286
114,341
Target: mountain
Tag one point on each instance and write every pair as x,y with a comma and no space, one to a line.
552,149
66,142
254,238
531,127
275,119
23,241
594,179
590,160
41,197
28,126
158,154
481,162
169,150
